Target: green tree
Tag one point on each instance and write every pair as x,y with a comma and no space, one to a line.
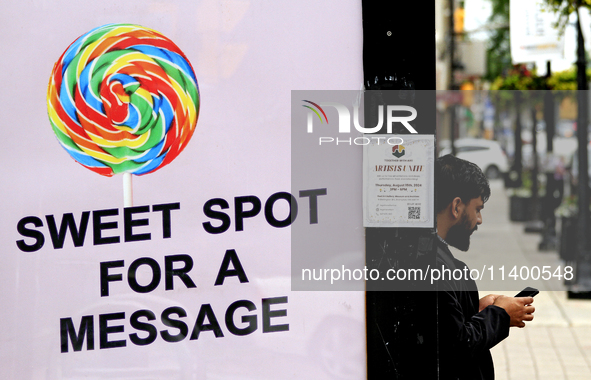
498,53
564,8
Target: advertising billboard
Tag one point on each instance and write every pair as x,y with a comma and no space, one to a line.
159,246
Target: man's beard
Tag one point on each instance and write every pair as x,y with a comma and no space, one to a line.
459,234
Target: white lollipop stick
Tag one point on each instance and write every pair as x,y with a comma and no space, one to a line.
127,190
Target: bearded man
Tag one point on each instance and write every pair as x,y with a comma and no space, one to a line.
468,327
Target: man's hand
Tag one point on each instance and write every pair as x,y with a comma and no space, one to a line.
519,309
487,301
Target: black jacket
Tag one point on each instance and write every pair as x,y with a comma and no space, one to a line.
465,336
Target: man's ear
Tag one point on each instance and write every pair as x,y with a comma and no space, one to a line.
457,207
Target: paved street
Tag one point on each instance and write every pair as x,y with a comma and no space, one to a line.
557,343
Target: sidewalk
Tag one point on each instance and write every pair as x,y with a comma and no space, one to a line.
557,343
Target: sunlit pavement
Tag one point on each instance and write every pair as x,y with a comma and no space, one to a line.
557,343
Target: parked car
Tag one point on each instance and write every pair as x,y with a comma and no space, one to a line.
487,154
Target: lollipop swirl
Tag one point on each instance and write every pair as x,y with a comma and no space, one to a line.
123,99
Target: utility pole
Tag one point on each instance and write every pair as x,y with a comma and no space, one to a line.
549,241
452,80
583,267
517,167
399,61
535,224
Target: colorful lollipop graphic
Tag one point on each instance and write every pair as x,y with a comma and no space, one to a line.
123,99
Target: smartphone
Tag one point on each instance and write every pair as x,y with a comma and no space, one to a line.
528,292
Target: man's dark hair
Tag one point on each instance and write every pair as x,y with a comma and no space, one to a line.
455,177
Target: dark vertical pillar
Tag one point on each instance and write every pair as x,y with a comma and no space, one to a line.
452,45
554,186
399,59
535,167
452,80
583,259
453,128
498,128
549,115
517,167
535,224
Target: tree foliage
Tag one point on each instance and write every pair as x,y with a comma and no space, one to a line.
564,8
498,53
518,77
